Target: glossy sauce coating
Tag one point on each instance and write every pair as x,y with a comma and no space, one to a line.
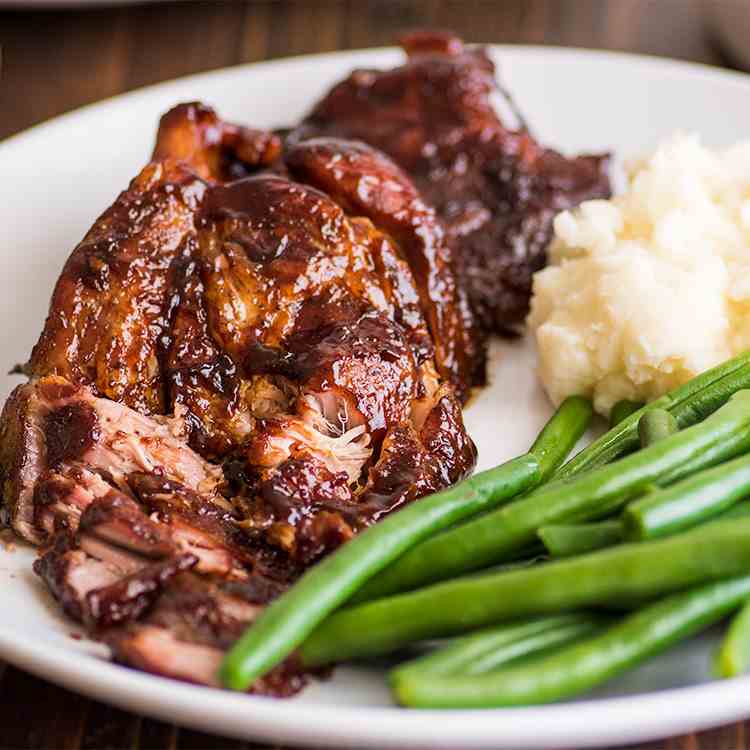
364,181
496,189
299,332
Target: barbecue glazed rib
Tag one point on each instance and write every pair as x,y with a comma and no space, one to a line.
125,575
111,308
258,351
496,189
249,358
282,323
61,447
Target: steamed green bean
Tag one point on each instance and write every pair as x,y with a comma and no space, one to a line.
561,433
622,410
493,647
684,504
654,425
500,534
689,404
286,622
627,572
565,540
586,663
733,657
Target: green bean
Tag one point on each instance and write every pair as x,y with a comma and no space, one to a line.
500,534
583,665
654,425
687,503
733,656
488,649
734,445
688,404
287,621
741,510
690,410
605,512
627,572
622,410
560,435
575,539
528,558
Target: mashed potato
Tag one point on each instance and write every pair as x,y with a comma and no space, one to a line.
647,290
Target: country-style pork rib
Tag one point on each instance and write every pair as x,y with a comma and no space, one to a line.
112,304
282,323
61,447
248,359
496,189
122,576
366,183
258,351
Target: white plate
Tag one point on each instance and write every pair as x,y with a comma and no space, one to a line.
57,177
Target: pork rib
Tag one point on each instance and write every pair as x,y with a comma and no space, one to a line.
496,189
123,574
365,182
248,359
62,447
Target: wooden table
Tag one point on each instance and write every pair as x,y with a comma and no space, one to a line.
55,61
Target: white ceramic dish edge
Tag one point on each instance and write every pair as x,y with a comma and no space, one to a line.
585,723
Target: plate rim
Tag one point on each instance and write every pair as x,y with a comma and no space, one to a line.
384,727
667,64
314,722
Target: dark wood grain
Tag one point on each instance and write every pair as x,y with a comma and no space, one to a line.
56,61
